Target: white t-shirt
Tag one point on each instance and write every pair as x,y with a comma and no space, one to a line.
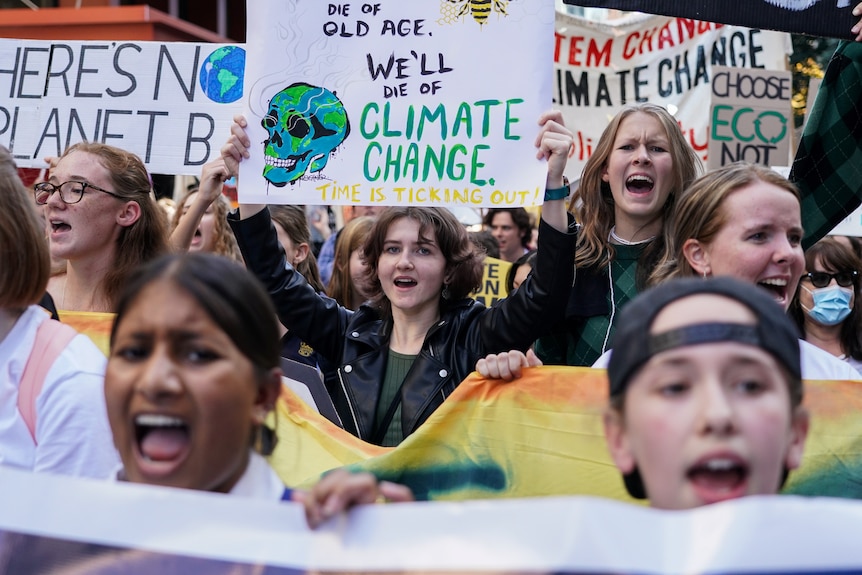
258,481
72,431
816,364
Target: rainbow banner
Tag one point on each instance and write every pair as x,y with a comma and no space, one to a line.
95,325
541,435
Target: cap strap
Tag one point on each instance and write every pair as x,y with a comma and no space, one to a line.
704,333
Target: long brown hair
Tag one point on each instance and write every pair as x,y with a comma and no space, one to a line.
351,238
293,221
593,204
24,256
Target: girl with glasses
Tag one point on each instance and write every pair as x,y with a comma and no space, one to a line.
102,219
825,304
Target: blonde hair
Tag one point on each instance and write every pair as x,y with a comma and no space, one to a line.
698,214
225,242
593,204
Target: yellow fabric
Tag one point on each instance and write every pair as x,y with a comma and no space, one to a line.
540,435
95,325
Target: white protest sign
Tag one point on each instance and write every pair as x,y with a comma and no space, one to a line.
396,102
750,119
138,529
169,103
602,66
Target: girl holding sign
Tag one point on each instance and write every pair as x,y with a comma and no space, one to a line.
403,352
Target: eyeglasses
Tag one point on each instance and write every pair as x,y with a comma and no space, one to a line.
70,192
823,279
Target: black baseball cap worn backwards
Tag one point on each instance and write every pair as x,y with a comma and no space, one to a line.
633,345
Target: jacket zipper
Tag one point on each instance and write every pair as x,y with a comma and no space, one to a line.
349,404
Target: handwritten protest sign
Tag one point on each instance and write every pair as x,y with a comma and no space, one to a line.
751,117
396,102
814,17
169,103
602,66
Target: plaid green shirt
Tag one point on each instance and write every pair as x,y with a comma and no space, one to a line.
828,164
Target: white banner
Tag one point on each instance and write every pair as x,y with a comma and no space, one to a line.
106,527
396,102
171,103
600,67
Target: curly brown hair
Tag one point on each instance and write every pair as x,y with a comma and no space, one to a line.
463,259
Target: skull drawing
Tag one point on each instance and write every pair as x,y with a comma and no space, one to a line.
305,124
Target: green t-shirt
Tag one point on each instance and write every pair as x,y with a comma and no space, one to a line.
397,366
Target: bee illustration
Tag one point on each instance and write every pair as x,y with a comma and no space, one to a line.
480,9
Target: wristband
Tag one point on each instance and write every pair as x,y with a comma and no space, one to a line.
557,193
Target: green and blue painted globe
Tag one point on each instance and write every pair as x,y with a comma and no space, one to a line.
222,73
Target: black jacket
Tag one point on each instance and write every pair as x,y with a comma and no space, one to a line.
358,342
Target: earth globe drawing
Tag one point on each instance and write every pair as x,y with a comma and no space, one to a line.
221,74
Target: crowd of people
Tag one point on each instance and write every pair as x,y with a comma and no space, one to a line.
693,288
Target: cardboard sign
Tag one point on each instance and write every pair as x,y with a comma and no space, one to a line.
396,102
494,275
750,117
831,18
171,103
600,67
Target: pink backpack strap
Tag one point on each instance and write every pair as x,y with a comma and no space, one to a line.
52,337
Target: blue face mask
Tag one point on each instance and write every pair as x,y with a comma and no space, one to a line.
831,304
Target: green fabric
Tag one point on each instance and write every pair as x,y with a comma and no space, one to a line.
397,366
583,340
828,164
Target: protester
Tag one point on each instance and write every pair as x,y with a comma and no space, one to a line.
519,271
193,373
705,394
294,236
53,416
349,266
487,242
199,222
825,308
641,163
512,229
326,258
743,220
103,221
419,337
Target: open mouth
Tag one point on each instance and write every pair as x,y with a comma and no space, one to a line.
719,478
161,438
777,287
404,282
639,184
59,226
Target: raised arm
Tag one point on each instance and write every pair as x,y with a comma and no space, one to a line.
234,151
213,176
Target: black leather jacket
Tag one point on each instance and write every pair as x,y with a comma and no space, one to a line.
358,342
